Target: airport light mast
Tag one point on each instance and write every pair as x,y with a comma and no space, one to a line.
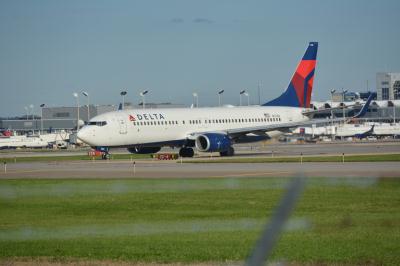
196,99
332,92
27,112
248,98
240,96
344,113
88,108
41,117
219,96
32,106
123,93
76,96
143,93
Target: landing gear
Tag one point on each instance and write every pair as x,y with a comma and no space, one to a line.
186,152
105,156
229,152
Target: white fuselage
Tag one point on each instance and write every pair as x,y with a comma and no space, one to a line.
145,126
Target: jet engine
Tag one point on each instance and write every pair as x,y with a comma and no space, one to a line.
213,142
144,150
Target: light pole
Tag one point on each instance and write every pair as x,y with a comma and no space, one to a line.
123,93
343,93
394,112
26,111
41,117
32,106
248,98
143,93
88,108
240,96
76,95
332,92
219,96
196,99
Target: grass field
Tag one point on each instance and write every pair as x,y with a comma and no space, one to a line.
327,158
337,221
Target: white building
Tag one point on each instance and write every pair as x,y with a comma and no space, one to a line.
388,86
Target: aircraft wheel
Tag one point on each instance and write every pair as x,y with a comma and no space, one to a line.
105,156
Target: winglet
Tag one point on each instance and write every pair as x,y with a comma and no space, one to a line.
364,109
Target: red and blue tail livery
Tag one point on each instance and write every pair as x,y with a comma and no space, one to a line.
298,93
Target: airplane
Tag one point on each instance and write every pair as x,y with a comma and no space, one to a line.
208,129
365,134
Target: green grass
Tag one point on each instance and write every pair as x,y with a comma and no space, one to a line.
329,158
50,158
348,158
337,221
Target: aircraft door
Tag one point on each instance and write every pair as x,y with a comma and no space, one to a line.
122,126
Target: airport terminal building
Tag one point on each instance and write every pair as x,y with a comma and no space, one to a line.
388,86
66,118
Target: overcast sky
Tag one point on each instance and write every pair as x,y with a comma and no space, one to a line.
49,49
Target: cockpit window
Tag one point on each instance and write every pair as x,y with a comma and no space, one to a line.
97,123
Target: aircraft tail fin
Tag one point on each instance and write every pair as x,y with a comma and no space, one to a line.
364,109
298,93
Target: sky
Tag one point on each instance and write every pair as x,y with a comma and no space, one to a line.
52,48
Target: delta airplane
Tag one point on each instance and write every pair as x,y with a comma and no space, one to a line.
209,129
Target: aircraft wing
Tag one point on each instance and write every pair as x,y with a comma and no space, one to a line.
280,127
285,126
261,130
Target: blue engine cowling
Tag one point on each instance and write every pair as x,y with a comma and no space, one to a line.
213,142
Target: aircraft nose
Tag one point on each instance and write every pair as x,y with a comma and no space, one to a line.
83,135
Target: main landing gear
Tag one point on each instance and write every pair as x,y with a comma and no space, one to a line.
186,152
229,152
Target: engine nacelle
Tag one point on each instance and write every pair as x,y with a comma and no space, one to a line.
144,150
213,142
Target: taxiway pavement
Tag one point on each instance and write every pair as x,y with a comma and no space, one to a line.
173,169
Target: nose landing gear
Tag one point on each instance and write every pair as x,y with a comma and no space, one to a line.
105,156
